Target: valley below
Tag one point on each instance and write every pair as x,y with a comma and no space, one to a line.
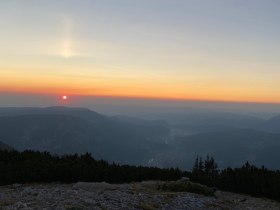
167,140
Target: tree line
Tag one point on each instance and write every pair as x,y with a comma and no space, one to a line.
33,166
248,179
42,167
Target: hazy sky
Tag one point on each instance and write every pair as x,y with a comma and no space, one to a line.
186,49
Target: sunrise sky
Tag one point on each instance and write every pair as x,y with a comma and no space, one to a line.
217,50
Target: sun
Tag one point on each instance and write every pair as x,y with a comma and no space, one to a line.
64,97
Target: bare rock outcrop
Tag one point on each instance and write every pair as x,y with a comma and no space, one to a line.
100,196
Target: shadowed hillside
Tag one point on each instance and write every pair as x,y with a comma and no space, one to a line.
74,130
5,146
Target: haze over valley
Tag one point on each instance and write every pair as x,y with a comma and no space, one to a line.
231,138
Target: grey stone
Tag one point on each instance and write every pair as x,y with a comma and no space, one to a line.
136,196
184,179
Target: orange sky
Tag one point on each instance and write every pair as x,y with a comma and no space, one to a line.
142,90
174,51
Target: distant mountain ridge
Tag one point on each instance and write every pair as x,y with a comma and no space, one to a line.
55,133
76,112
235,147
63,130
271,125
5,146
231,139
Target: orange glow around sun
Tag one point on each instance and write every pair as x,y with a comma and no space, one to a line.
174,89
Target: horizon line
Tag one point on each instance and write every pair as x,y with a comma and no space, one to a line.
153,98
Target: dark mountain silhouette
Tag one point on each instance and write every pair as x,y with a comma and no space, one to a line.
75,130
234,147
232,139
5,146
272,125
55,133
219,122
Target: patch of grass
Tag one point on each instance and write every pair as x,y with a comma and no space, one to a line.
102,207
148,206
179,186
216,206
7,202
168,197
71,207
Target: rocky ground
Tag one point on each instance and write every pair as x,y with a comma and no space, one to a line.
103,196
